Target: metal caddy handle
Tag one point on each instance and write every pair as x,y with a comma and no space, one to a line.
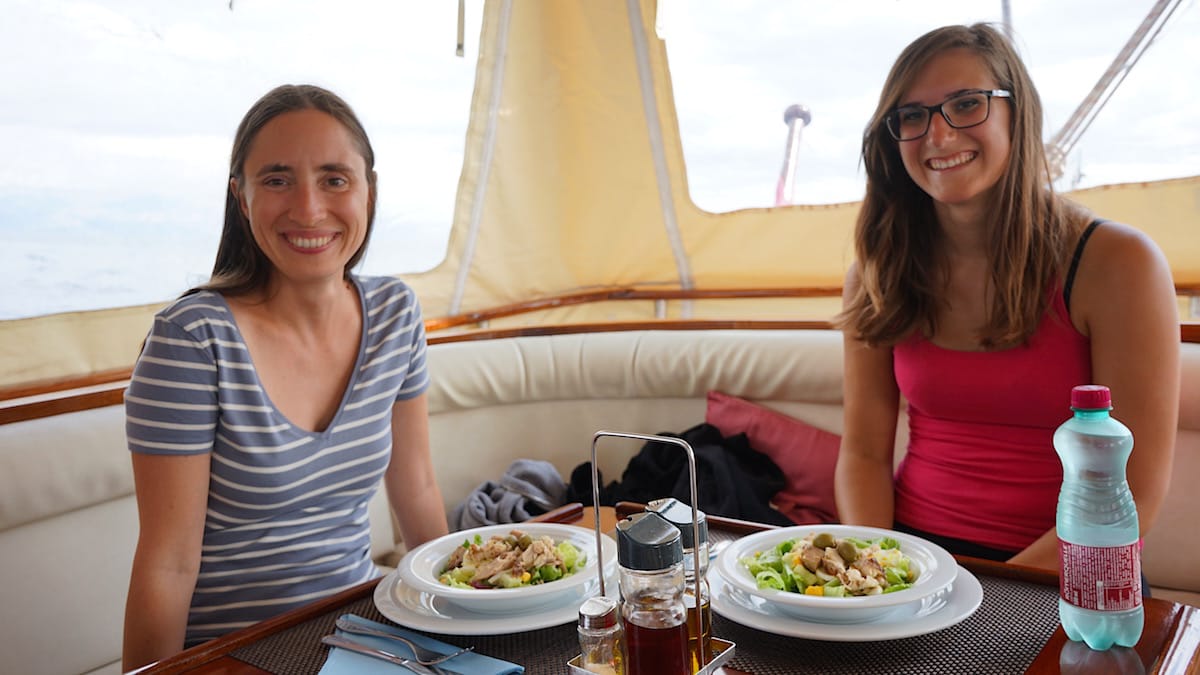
725,647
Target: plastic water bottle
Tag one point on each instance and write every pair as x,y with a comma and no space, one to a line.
1099,554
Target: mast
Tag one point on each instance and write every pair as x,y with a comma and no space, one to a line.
796,117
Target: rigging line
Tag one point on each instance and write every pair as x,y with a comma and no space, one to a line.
462,19
658,151
1064,140
1117,75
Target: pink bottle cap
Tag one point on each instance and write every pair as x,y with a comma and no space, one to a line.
1091,397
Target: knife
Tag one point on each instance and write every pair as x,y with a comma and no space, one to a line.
347,643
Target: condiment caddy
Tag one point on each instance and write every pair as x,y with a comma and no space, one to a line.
720,650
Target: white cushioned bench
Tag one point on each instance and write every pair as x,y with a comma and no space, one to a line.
68,521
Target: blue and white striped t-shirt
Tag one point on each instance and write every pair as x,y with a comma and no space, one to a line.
287,508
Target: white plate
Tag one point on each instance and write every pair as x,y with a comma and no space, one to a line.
420,568
417,609
935,612
936,565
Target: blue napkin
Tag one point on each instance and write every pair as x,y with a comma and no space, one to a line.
343,662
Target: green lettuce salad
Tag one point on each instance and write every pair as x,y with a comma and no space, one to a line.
820,564
510,561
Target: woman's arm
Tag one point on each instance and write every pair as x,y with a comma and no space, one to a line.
411,486
1124,301
863,478
172,494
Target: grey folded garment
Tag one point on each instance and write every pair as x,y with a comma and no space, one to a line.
528,488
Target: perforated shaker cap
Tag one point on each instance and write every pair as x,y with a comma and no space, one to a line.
598,611
646,541
1091,397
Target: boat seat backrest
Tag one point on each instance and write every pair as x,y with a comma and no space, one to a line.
68,520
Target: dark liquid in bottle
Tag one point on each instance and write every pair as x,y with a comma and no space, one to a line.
699,649
656,651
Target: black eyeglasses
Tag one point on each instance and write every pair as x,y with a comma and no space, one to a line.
963,110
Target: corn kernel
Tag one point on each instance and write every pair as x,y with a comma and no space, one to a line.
815,590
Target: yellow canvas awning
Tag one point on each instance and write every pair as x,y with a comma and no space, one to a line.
573,179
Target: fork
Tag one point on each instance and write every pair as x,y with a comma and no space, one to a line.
423,655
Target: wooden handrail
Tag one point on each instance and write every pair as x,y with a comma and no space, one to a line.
72,394
630,293
620,326
626,293
74,382
1190,331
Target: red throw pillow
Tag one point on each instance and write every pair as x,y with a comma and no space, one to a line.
807,455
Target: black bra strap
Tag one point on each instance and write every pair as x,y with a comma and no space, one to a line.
1075,261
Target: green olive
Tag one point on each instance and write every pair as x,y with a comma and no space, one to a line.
824,540
524,541
847,550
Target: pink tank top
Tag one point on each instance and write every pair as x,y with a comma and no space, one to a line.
980,464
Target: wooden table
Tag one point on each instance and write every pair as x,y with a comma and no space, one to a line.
1170,642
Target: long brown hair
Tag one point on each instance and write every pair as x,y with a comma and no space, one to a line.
897,238
241,266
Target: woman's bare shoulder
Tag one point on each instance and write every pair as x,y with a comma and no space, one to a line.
1118,244
1122,272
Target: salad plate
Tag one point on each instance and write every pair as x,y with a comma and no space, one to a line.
934,567
417,609
934,612
421,567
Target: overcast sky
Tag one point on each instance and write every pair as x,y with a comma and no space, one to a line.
116,116
737,66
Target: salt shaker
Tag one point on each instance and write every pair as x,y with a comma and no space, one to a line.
601,644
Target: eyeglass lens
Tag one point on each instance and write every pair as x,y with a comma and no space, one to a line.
963,111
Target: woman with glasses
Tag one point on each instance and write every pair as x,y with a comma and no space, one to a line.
982,297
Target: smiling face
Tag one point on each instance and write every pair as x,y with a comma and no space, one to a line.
958,168
305,193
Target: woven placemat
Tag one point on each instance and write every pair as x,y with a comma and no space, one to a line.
298,650
1002,637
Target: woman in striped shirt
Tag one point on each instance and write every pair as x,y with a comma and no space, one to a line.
268,404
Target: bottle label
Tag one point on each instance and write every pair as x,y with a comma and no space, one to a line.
1104,578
